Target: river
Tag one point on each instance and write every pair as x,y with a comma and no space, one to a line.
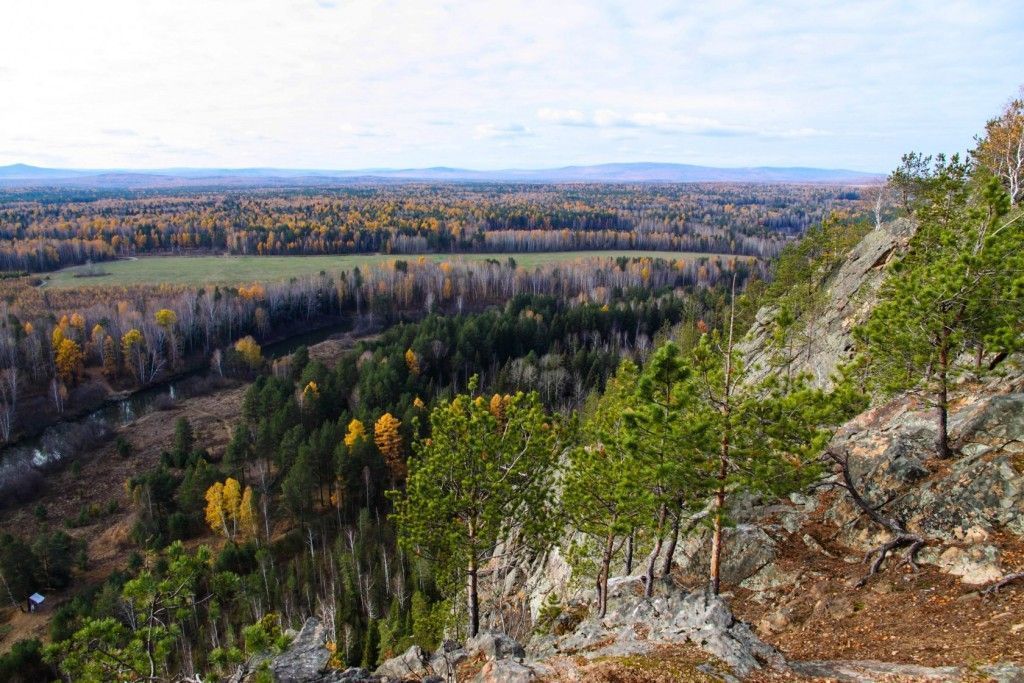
46,449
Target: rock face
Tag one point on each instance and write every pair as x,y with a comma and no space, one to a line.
304,661
957,504
634,625
848,300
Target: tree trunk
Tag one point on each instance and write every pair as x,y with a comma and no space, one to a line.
602,578
723,464
716,548
673,539
719,509
629,552
473,598
942,438
652,559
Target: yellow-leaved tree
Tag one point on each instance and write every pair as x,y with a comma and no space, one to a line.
230,511
69,358
356,431
250,351
389,443
166,318
412,361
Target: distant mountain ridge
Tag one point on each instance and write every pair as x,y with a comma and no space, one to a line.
23,175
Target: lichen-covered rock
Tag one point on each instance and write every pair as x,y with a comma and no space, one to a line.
633,625
409,664
494,645
849,298
954,504
303,661
506,671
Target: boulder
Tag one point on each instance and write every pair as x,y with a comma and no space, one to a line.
634,625
506,671
494,645
447,656
305,660
409,664
975,566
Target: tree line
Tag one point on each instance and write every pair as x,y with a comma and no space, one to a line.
42,231
55,346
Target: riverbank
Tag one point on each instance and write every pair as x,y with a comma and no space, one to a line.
94,491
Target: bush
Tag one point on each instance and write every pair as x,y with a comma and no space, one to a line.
180,526
124,449
262,635
238,559
24,664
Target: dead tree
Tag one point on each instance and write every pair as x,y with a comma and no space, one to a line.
901,537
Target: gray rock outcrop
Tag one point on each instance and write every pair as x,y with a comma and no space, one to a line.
634,625
827,338
303,661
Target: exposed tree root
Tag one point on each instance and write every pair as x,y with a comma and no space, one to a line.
901,538
1003,582
912,542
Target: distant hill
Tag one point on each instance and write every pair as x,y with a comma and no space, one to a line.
22,175
26,172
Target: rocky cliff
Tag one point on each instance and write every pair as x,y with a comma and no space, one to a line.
823,341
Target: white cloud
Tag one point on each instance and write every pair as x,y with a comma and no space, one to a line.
499,131
357,83
564,117
664,122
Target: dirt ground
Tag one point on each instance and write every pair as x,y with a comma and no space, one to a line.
100,479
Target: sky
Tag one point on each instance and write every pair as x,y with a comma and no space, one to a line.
488,84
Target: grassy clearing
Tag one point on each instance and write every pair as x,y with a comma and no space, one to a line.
232,270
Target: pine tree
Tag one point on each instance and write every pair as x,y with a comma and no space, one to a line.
669,436
371,646
763,437
471,484
184,440
953,291
238,451
602,492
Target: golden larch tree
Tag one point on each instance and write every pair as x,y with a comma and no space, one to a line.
412,362
356,431
69,359
229,510
250,351
389,443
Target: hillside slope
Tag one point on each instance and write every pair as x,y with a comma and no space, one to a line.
800,600
798,568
